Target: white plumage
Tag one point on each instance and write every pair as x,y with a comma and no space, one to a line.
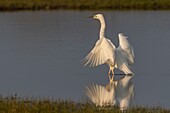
124,55
124,90
120,92
100,95
104,51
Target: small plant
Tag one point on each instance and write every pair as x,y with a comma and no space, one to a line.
15,104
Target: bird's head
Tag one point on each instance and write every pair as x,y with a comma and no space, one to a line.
98,16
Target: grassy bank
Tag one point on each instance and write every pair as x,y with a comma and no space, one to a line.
16,105
84,4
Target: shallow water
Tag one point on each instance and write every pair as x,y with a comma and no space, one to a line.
41,53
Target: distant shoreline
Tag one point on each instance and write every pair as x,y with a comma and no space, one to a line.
16,5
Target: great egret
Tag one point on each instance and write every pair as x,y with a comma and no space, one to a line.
105,51
120,93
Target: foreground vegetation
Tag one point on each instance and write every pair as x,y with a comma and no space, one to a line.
15,104
84,4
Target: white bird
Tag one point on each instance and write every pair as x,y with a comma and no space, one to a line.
105,52
120,93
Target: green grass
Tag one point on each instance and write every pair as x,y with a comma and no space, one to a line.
14,5
15,104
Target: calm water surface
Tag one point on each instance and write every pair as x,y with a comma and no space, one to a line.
41,53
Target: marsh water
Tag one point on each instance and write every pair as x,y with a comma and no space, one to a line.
41,53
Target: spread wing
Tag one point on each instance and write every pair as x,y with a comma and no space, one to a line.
103,51
99,95
121,62
126,49
124,55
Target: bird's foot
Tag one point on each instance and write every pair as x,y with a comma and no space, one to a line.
111,81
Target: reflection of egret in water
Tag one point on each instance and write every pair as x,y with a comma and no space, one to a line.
100,95
124,89
120,92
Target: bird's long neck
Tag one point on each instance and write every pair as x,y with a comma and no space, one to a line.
102,28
